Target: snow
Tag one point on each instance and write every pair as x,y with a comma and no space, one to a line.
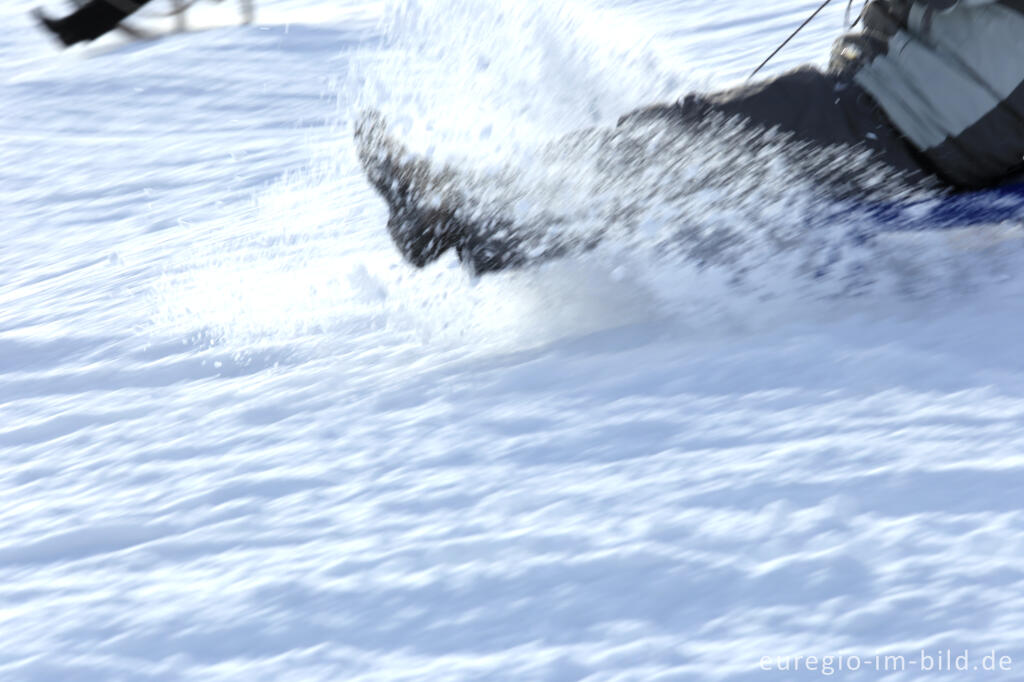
240,440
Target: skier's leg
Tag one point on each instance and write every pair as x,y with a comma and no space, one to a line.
91,20
426,217
814,107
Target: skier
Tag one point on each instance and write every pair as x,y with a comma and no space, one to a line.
931,88
90,21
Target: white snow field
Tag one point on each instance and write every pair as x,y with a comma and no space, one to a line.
240,439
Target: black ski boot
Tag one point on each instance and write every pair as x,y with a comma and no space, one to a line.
425,204
421,223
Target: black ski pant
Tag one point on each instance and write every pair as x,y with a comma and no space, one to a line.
820,109
93,19
816,107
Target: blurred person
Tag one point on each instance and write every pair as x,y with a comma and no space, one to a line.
931,89
90,21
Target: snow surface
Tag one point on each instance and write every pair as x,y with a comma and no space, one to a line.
240,440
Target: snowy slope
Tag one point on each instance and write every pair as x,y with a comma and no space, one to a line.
240,440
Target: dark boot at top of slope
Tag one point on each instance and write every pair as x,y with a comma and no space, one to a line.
57,27
91,20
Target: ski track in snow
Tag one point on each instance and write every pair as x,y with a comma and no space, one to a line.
239,440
